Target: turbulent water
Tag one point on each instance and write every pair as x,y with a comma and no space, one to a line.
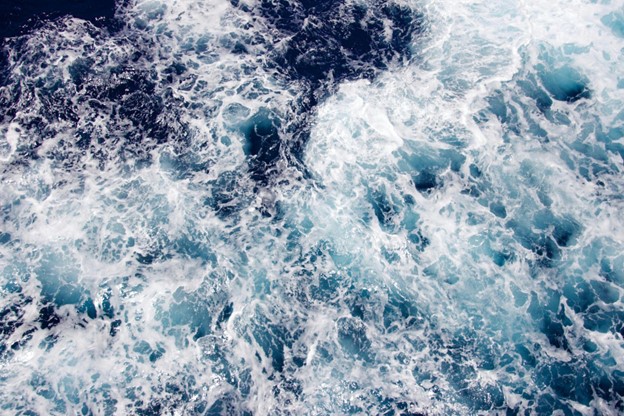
297,207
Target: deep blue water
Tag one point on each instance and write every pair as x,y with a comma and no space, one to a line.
312,207
17,17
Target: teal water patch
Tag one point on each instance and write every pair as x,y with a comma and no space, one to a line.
615,22
564,83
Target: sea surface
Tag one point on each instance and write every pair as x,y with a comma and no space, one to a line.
298,207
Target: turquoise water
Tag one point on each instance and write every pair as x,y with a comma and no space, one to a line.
257,207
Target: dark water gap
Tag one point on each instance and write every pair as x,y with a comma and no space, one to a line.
320,44
18,17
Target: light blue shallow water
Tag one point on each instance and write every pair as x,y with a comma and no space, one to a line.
198,217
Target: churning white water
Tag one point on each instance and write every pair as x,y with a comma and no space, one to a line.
332,207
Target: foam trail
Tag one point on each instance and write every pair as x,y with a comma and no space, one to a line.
351,207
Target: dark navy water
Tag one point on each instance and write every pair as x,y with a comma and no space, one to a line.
18,17
281,207
323,44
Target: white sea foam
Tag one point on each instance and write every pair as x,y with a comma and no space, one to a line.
451,214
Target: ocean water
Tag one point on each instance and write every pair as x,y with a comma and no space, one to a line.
18,17
295,207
